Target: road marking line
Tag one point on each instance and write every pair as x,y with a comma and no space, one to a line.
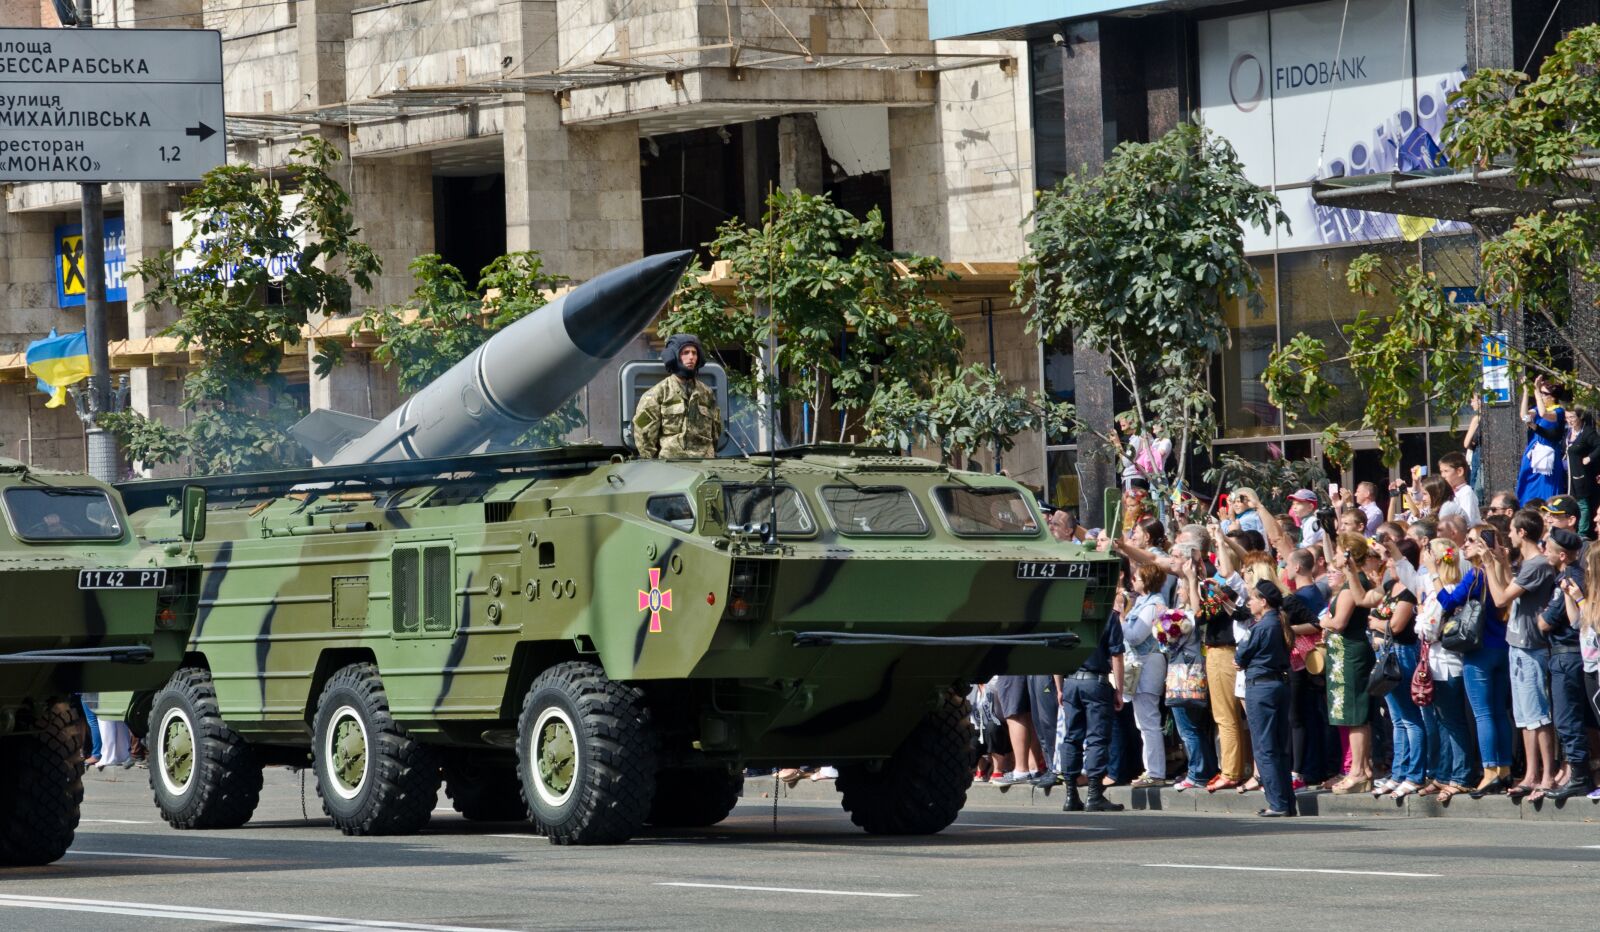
1059,828
1592,846
1292,870
533,835
730,886
236,917
135,854
115,822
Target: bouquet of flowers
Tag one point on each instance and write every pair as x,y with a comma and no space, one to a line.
1171,626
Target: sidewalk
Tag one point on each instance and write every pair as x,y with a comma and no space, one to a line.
1165,799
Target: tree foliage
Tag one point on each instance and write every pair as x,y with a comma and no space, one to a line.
1273,479
850,317
260,269
445,320
970,411
1500,118
1139,262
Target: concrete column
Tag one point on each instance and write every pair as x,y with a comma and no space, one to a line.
392,200
800,154
322,26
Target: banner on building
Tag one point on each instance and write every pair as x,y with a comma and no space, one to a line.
188,259
71,282
1300,103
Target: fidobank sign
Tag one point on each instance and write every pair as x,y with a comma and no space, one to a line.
86,105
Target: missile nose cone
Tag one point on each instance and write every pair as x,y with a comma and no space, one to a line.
606,312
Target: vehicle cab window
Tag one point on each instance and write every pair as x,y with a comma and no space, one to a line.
996,511
874,511
47,513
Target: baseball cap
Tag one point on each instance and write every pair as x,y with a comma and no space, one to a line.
1565,539
1303,495
1563,505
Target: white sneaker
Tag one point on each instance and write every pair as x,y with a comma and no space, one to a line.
1185,784
1012,778
825,773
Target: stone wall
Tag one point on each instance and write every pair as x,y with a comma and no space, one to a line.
960,171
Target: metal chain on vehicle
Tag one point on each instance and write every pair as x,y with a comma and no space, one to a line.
775,800
303,814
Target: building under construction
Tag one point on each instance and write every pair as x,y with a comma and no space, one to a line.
593,131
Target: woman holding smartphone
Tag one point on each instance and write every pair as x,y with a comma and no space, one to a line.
1350,660
1486,671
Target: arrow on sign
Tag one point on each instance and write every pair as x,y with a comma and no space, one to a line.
203,131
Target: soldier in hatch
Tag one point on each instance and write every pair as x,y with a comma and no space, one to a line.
679,416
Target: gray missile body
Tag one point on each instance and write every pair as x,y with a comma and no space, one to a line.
525,371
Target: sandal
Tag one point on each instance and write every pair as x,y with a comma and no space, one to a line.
1431,788
1249,785
1350,786
790,776
1448,792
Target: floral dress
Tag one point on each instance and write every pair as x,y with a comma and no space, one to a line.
1350,659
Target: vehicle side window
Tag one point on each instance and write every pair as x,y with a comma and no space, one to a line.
887,510
753,504
672,509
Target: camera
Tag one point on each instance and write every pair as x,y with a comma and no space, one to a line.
1326,519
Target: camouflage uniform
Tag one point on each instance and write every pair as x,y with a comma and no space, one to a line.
677,418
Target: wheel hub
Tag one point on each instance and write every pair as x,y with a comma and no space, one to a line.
347,753
555,752
176,754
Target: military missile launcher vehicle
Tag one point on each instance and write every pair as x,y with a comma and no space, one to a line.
599,642
88,609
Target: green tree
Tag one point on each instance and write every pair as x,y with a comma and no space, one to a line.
970,411
1537,128
1139,262
445,321
260,270
850,317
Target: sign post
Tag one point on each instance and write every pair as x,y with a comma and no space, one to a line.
91,106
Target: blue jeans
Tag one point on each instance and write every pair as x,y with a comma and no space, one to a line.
1449,741
1488,680
1194,727
1409,734
94,726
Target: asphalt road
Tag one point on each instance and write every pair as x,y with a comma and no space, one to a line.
993,869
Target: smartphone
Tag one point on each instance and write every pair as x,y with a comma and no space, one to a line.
1333,490
1489,537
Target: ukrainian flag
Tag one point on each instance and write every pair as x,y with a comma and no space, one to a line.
59,362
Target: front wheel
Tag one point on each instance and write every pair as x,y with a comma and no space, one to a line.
41,787
586,756
373,777
203,775
922,787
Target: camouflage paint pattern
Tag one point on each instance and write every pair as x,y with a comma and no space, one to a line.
462,589
45,609
677,418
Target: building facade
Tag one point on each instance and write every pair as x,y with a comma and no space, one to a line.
592,131
1304,91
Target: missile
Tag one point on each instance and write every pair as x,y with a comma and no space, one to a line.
519,375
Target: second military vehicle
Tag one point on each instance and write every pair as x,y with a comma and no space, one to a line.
601,642
87,609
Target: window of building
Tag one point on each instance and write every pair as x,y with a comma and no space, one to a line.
1242,406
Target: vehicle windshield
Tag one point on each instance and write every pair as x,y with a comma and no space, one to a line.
47,513
986,512
874,510
752,504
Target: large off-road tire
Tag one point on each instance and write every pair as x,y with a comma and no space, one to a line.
586,756
484,790
373,777
41,787
922,787
202,773
694,797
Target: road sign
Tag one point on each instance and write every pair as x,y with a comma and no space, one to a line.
90,105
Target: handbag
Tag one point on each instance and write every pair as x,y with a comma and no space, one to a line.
1462,632
1186,684
1422,680
1317,660
1386,673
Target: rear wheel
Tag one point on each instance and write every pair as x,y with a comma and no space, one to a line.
922,787
586,753
202,773
41,787
373,777
484,789
694,797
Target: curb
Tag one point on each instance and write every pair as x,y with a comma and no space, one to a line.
1165,799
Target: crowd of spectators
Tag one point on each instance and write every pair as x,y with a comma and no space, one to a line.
1421,645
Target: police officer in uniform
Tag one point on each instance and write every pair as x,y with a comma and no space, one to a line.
1263,660
679,416
1088,703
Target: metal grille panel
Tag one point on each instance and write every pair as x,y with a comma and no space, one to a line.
404,590
438,595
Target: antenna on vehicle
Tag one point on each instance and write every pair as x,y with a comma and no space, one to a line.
772,405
